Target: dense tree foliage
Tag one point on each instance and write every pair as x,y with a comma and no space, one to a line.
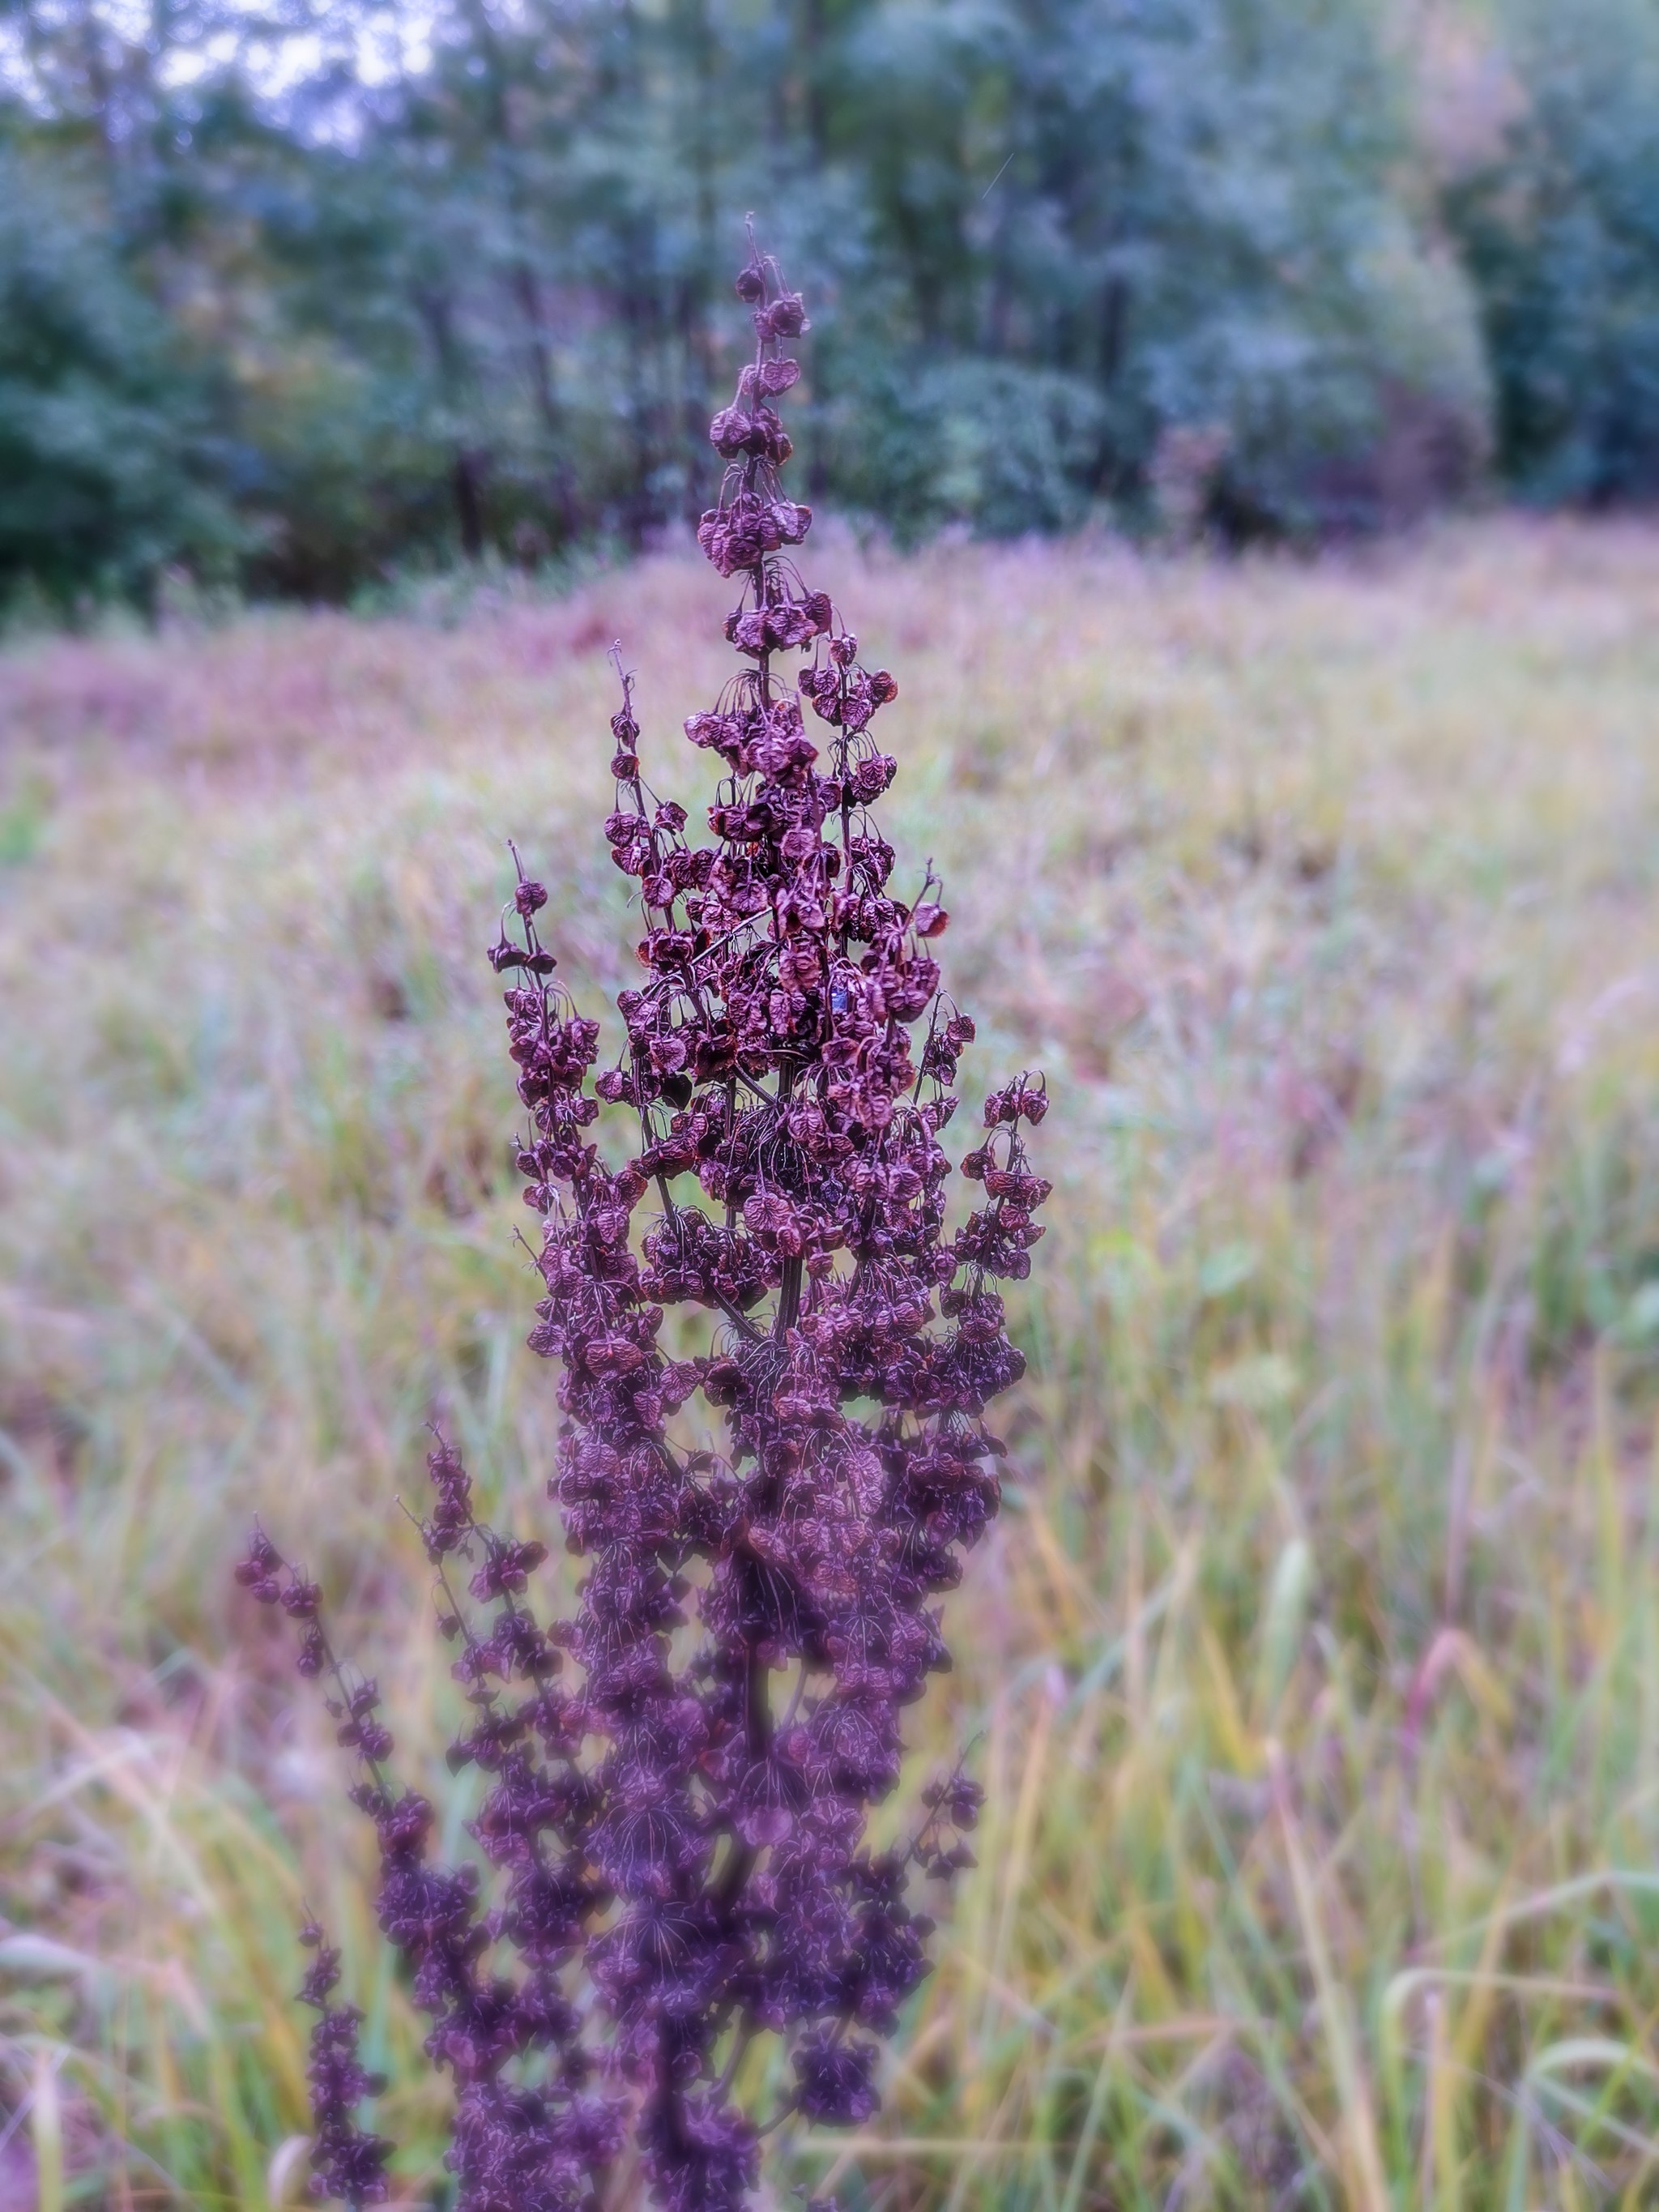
106,464
1561,231
299,296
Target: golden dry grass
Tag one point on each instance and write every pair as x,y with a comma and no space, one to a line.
1313,1668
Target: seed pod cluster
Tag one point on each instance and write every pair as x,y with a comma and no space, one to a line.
680,1777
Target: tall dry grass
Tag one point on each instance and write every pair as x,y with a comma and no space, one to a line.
1313,1668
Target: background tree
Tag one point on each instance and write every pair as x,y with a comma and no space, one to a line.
422,287
109,468
1561,231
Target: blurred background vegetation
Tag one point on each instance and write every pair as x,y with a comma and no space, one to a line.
295,298
1312,1668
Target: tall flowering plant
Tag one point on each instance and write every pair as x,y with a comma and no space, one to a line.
677,1780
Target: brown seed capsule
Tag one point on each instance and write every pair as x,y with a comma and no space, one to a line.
786,318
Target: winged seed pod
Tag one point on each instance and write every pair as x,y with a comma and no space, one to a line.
676,1844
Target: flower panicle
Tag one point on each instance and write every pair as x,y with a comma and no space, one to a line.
507,2146
348,2161
680,1775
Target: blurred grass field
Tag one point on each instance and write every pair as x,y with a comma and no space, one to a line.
1313,1670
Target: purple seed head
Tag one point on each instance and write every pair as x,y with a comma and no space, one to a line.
677,1779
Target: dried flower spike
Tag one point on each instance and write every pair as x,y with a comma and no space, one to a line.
683,1838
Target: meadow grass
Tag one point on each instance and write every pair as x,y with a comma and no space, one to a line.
1313,1670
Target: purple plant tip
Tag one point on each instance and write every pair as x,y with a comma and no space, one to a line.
676,1843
